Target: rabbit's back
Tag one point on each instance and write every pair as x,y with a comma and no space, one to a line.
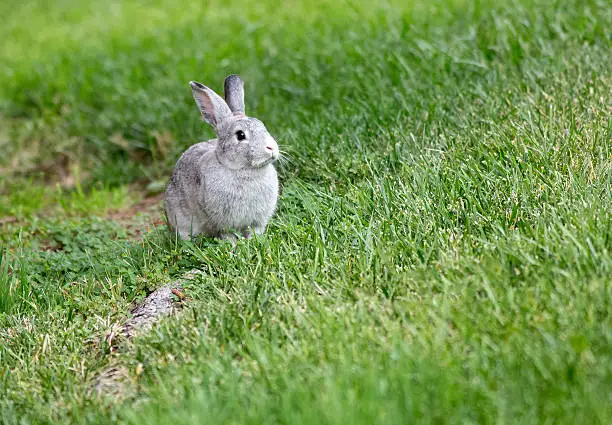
184,189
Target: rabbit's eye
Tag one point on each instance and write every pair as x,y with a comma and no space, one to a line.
240,135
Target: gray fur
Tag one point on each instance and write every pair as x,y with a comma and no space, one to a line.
225,184
234,94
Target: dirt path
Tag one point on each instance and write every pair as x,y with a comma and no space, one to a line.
141,217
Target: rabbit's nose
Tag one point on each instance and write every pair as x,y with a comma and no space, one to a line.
270,148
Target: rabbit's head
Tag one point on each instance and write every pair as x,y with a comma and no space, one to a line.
243,142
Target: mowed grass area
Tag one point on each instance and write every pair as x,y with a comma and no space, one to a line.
442,248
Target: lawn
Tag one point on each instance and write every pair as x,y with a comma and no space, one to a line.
442,250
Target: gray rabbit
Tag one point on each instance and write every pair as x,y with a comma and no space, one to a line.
229,183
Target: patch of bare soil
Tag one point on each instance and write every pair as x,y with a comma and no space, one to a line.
140,218
149,205
7,220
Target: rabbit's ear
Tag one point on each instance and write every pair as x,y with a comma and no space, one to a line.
213,108
234,94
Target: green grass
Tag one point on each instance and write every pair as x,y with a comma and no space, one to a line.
442,249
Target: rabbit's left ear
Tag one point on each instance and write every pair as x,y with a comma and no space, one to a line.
234,94
213,108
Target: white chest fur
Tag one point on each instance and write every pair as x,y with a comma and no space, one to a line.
242,198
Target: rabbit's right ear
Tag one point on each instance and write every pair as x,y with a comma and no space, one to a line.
212,106
234,94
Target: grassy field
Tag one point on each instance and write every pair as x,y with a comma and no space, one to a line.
442,252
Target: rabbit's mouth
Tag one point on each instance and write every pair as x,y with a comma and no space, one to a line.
267,161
